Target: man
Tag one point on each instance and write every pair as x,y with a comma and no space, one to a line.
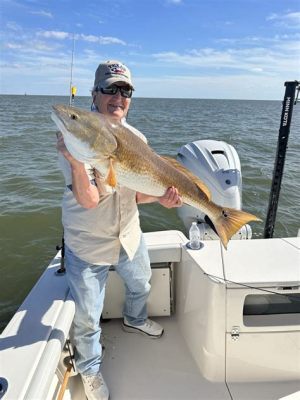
102,228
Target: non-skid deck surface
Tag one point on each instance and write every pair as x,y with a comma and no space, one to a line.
136,367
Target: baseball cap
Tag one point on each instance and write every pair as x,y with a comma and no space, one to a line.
110,72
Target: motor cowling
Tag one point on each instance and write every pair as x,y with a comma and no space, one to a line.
216,164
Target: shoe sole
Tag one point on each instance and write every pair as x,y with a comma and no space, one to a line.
131,329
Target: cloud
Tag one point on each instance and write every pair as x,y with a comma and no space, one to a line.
10,66
60,35
196,58
289,20
13,26
174,1
42,13
100,39
259,40
13,46
36,46
277,57
55,35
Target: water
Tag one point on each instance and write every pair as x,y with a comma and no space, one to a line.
32,185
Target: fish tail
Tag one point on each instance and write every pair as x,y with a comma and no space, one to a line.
227,221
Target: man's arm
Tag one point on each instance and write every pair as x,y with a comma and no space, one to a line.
170,199
85,192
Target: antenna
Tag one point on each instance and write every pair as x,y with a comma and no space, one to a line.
72,88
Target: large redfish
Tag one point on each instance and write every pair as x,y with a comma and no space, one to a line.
123,157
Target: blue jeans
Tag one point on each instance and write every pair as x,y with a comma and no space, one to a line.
87,286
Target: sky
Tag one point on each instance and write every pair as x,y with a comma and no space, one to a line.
225,49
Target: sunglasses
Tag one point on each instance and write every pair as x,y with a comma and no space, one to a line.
125,91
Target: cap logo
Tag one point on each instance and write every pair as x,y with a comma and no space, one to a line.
116,69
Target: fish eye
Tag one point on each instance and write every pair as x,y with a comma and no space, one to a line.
73,116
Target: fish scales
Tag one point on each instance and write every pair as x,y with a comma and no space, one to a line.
151,166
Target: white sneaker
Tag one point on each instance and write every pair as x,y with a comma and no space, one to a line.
95,387
149,328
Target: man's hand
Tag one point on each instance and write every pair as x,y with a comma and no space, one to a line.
171,198
60,145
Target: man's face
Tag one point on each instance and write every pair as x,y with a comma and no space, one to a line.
115,105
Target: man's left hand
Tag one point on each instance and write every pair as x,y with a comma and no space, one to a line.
171,198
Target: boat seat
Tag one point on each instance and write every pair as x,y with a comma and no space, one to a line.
165,249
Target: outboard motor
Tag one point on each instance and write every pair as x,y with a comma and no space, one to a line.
218,165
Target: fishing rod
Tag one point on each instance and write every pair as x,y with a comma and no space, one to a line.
73,89
285,123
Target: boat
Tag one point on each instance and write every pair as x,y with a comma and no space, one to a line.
231,317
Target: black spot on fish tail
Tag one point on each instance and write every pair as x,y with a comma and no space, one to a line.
224,213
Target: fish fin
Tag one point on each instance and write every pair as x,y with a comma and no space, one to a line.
189,174
229,221
111,178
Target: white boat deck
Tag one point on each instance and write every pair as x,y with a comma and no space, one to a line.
136,367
